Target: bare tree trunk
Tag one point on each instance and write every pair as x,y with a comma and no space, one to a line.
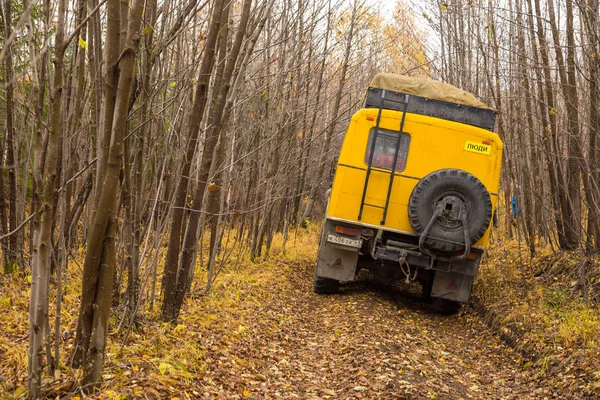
90,268
75,102
169,281
527,191
131,261
212,136
303,148
335,112
45,176
494,87
572,211
100,255
4,226
12,252
559,196
306,157
113,47
15,249
589,16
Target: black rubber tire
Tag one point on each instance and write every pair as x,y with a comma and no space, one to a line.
445,306
426,286
325,285
431,189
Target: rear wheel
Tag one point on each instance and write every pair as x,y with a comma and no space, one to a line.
325,285
445,306
439,305
426,286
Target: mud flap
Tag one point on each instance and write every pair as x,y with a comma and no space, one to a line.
452,286
335,261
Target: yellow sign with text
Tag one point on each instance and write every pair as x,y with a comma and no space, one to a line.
479,148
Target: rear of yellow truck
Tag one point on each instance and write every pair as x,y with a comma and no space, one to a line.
414,191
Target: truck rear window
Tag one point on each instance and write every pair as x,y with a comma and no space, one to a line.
385,146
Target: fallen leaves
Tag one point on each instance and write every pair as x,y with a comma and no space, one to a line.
263,333
553,328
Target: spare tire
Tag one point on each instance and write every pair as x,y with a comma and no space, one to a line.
450,189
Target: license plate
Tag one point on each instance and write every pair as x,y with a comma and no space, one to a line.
344,241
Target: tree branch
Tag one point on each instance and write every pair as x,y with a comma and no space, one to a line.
18,228
82,24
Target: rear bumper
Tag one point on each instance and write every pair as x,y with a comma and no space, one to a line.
338,259
377,227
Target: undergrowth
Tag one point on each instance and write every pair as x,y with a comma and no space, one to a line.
548,307
152,357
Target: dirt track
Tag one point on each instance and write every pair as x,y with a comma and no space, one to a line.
369,341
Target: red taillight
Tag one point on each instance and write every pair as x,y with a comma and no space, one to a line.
369,118
486,142
344,230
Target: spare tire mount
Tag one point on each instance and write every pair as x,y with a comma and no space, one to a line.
440,210
450,209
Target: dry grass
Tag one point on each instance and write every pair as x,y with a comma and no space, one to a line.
155,356
548,306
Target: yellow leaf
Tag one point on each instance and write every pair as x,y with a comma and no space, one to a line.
173,84
444,7
242,329
178,328
136,368
20,390
82,43
112,395
553,111
29,278
75,398
246,393
212,187
163,367
148,30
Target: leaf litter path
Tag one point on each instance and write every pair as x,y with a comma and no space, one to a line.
369,341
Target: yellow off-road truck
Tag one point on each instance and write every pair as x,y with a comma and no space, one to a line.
414,190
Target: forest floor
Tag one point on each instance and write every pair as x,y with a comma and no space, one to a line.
262,333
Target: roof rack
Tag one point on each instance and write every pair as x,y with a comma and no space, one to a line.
470,115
